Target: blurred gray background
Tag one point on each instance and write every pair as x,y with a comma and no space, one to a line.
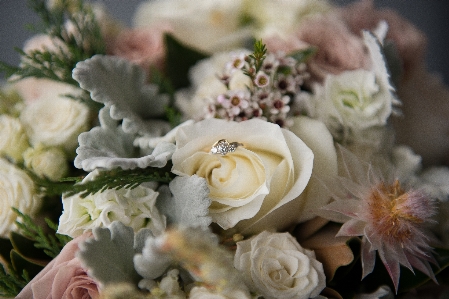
431,16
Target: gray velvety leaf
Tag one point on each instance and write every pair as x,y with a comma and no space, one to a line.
109,147
109,255
120,84
189,205
151,263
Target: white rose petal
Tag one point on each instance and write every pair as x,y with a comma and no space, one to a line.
16,190
133,207
46,162
275,266
203,293
55,122
13,139
270,169
211,26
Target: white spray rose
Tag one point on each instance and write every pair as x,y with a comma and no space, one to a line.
206,86
46,162
275,266
203,293
16,190
212,26
133,207
55,122
271,168
13,139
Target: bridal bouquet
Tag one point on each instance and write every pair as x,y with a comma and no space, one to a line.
223,149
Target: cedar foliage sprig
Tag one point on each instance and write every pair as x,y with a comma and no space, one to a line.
118,179
72,43
11,283
255,60
51,243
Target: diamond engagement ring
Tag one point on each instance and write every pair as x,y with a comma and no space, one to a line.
223,147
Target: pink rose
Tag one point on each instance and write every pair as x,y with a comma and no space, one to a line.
409,40
338,49
144,47
63,277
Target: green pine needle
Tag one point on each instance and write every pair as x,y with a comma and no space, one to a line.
11,283
119,178
51,244
80,42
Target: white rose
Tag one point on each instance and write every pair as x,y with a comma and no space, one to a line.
275,266
203,293
206,86
133,207
13,139
212,26
16,190
55,122
282,17
271,168
46,162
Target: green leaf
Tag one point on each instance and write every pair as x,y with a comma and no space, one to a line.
109,255
303,55
5,250
179,60
23,265
26,248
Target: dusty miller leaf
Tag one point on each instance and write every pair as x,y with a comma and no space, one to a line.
121,85
109,147
189,204
109,255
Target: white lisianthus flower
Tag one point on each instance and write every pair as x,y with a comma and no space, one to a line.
268,169
133,207
13,139
275,266
17,190
46,162
203,293
55,122
356,100
212,26
206,86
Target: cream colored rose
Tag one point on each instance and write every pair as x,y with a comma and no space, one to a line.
133,207
16,190
275,266
204,293
271,168
282,17
206,86
46,162
55,121
212,26
13,139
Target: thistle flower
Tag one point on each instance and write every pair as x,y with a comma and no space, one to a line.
390,218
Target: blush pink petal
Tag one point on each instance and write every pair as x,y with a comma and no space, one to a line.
63,277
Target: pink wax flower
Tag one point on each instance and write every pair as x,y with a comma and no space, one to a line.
144,47
409,40
63,277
